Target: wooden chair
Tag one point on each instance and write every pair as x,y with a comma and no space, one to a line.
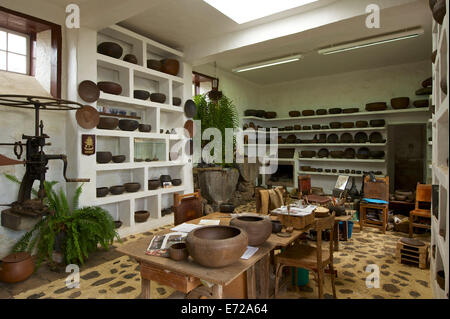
423,196
309,257
187,207
305,192
377,190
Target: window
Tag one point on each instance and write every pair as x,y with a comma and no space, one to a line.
202,83
14,48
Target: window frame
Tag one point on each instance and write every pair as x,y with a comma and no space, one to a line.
27,55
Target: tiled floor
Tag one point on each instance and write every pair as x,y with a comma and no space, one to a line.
112,275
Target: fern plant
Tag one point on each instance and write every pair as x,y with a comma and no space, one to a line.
78,231
220,114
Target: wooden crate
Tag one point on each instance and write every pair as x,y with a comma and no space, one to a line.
412,254
298,222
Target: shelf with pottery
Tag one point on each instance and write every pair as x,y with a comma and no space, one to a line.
338,130
134,165
151,223
330,174
136,134
318,145
352,160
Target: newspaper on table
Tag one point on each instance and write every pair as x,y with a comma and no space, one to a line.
295,210
159,245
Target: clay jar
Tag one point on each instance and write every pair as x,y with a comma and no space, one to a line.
16,267
258,228
217,246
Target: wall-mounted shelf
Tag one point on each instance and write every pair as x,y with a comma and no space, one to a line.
353,160
322,145
343,130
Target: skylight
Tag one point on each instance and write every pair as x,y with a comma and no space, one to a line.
242,11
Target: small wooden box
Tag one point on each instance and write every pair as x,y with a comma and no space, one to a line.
298,222
412,254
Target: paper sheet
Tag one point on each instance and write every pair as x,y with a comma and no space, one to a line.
185,228
249,252
209,222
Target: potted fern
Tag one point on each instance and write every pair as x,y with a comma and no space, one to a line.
68,231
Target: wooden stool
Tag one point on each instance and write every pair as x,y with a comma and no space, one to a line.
415,252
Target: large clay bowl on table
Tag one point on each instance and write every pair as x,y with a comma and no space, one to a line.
217,246
104,157
376,106
16,267
128,125
110,87
399,103
258,228
111,49
108,123
170,66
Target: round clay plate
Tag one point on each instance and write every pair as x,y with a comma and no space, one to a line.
190,109
189,126
88,91
412,242
87,117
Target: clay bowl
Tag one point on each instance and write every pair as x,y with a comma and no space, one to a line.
316,127
306,128
308,113
288,128
128,125
335,125
250,112
376,137
361,124
144,128
376,106
88,91
348,125
108,123
260,113
321,112
176,101
258,228
157,97
377,154
337,154
361,137
154,184
102,191
170,66
428,82
141,216
226,208
141,94
349,153
346,138
276,226
421,103
110,87
132,187
335,110
178,252
111,49
400,103
439,11
117,224
154,65
271,115
308,154
130,58
118,159
176,182
377,123
16,267
327,170
291,139
332,138
104,157
323,153
294,113
217,246
363,153
424,91
165,179
350,110
117,190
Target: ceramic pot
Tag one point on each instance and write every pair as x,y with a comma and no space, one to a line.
294,113
16,267
424,91
335,125
361,137
362,124
141,94
131,58
104,157
323,153
154,184
276,226
376,137
376,106
332,138
271,115
102,191
348,125
118,159
421,103
335,110
377,123
145,128
108,123
158,97
363,153
337,154
349,153
176,182
132,187
170,66
226,208
307,154
217,246
141,216
260,113
288,128
350,110
154,65
178,252
377,154
308,113
111,49
110,87
164,179
117,190
321,112
88,91
250,112
117,224
316,127
176,101
428,82
128,125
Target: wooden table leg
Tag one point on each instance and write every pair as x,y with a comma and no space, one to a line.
217,292
145,288
251,283
262,269
336,236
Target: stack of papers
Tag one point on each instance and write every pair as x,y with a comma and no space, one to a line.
249,252
295,211
185,228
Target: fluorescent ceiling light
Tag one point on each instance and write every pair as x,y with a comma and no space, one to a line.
266,64
242,11
392,37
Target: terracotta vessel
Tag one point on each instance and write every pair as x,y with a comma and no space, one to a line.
104,157
335,125
111,49
335,110
308,112
154,65
16,267
308,154
294,113
217,246
157,97
226,208
276,226
321,112
141,94
154,184
108,123
271,115
258,228
131,58
350,110
128,125
178,252
141,216
145,128
110,87
102,191
118,159
176,101
117,190
170,66
376,106
176,182
132,187
117,224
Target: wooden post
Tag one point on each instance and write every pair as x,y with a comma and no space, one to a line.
145,288
217,292
251,283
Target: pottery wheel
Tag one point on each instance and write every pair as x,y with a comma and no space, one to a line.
412,242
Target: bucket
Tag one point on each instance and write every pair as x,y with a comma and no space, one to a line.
302,277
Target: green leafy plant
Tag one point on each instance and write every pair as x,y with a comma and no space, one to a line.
220,114
76,231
